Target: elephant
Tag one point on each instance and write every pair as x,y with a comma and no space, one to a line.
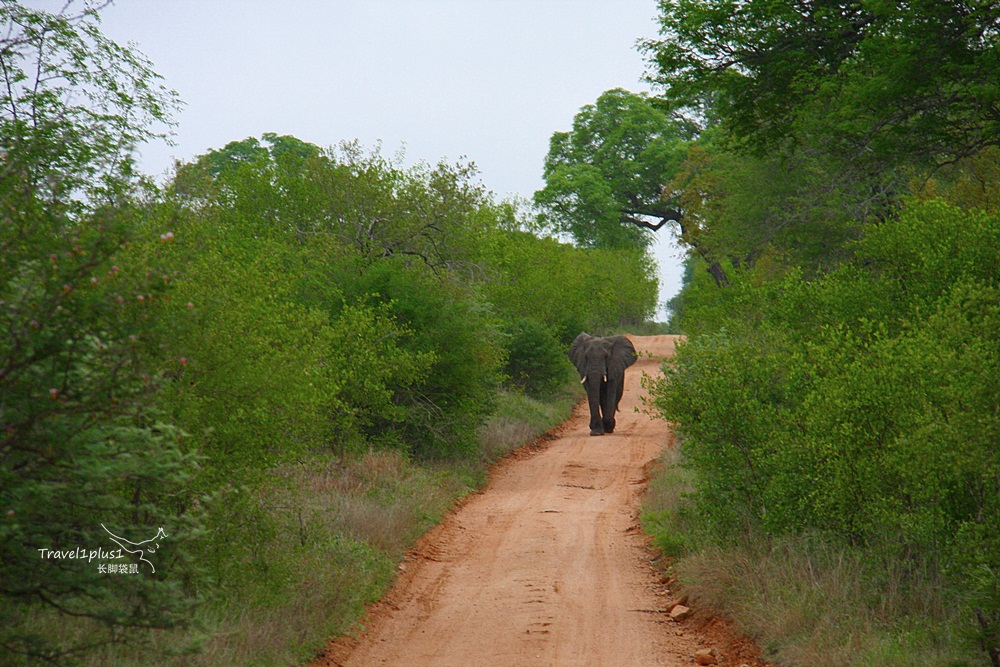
602,363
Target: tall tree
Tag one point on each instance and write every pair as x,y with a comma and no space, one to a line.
80,444
604,177
608,180
883,83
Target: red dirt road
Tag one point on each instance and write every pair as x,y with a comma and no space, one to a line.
546,566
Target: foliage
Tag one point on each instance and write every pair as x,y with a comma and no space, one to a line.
265,377
610,169
362,239
620,287
564,288
842,389
971,183
72,105
627,161
792,210
816,121
83,444
536,362
448,402
900,84
863,405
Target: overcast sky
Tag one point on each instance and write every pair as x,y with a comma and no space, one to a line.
487,81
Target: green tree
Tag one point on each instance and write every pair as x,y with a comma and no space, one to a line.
345,233
74,105
788,210
82,443
607,175
536,361
565,288
881,83
859,406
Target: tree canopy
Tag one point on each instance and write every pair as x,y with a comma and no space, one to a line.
606,176
74,104
886,83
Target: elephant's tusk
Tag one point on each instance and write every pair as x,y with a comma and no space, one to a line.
584,379
604,379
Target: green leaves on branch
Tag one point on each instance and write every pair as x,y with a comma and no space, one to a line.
73,105
862,406
887,83
607,175
567,289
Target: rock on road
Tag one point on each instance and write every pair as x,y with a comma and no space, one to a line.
546,566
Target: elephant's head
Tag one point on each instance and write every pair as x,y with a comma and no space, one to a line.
601,363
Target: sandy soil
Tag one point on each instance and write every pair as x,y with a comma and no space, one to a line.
546,566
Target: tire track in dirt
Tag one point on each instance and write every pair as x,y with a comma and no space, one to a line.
546,566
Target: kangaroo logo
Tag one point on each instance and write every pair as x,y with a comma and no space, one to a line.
138,548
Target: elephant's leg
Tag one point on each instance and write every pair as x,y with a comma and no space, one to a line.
608,406
597,426
595,394
596,423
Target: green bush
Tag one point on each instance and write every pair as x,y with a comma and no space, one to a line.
82,441
447,403
564,288
862,406
536,361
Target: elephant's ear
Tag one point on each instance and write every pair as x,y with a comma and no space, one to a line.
576,352
622,353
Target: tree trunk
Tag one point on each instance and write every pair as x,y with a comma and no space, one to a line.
714,268
674,215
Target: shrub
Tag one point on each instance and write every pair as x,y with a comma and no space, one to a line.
567,289
536,361
863,406
448,324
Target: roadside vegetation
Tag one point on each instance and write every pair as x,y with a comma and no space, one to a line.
290,358
293,358
836,491
834,173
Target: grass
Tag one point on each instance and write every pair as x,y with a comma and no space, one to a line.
328,535
808,602
664,512
520,419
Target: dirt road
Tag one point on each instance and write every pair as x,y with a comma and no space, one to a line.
547,566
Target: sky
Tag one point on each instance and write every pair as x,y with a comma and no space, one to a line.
486,81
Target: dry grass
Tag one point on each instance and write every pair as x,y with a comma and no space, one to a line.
520,419
383,500
806,602
321,540
331,590
501,435
809,603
